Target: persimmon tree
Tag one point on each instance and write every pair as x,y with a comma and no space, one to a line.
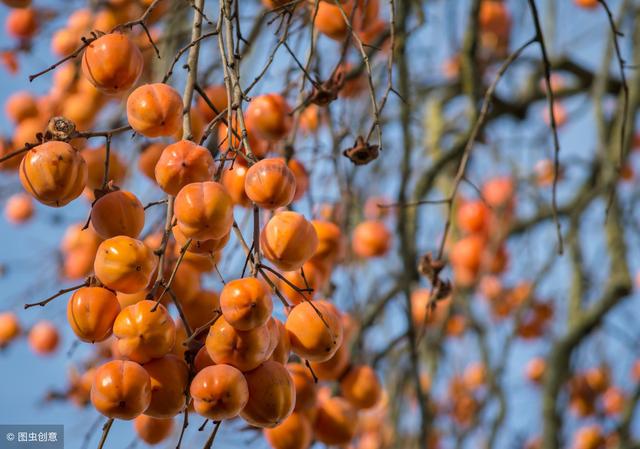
355,223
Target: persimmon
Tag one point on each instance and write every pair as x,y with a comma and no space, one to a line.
259,146
127,299
179,348
202,263
20,105
217,94
282,347
475,376
304,385
294,432
43,337
204,210
244,350
587,4
330,242
9,328
80,386
371,238
288,240
219,392
152,430
328,19
113,63
334,367
13,163
169,377
19,208
155,110
535,369
95,158
144,333
80,110
91,312
80,19
588,437
315,330
26,132
22,23
64,41
270,184
272,395
246,303
148,159
361,387
467,252
472,216
182,163
118,213
422,313
233,178
202,360
336,421
310,119
613,401
499,192
269,116
124,264
121,389
54,173
201,308
315,278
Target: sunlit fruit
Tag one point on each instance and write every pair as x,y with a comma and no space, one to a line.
19,208
246,303
169,376
219,392
361,387
295,432
91,312
269,116
153,430
270,184
335,422
371,239
124,264
155,110
204,210
118,213
272,395
9,327
245,350
43,337
121,389
182,163
288,240
315,330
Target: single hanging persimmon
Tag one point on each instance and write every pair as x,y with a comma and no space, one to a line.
315,330
272,395
44,337
155,110
113,63
124,264
54,173
169,378
219,392
204,210
22,23
473,216
9,328
233,179
148,159
336,421
295,432
118,213
288,240
19,208
306,390
153,430
244,350
330,242
91,312
328,19
269,116
246,303
301,176
335,367
182,163
270,184
20,105
95,157
371,238
361,387
121,389
144,333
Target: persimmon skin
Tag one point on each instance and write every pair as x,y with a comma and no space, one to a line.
169,377
259,146
244,350
155,110
94,157
91,312
314,338
204,210
315,277
217,93
371,238
43,338
361,387
152,430
330,22
124,264
269,116
144,334
282,348
201,308
54,173
330,242
288,240
301,176
295,432
202,360
270,184
182,163
9,328
472,216
335,422
21,105
22,23
467,252
233,179
209,246
246,303
333,368
121,389
118,213
149,158
272,395
219,392
19,208
304,385
587,4
112,63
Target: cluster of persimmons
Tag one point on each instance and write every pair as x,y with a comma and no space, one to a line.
227,355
